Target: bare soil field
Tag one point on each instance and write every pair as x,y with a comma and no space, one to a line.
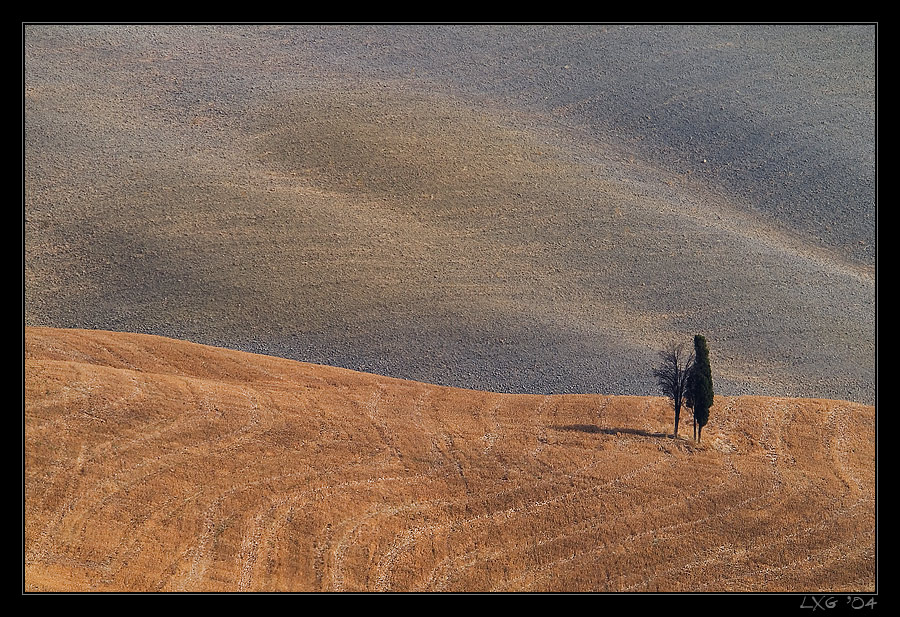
159,465
519,209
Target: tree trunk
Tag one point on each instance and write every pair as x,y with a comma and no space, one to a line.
675,434
699,433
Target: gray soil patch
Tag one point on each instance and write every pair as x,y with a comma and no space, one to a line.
515,209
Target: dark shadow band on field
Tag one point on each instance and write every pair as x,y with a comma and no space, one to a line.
593,428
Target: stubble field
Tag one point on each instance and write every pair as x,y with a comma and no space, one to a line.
159,465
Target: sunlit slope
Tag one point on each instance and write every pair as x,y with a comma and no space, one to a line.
496,208
155,464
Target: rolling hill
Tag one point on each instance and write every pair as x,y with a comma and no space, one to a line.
152,464
523,209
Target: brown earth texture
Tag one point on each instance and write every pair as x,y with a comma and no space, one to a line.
153,464
376,307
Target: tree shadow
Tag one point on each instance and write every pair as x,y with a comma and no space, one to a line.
593,428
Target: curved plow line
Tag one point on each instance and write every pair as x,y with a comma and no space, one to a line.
498,494
95,454
95,451
198,565
199,559
553,477
385,567
839,436
192,548
722,549
588,525
783,539
371,410
732,472
829,439
405,539
161,464
64,401
772,449
542,570
419,404
525,509
715,556
287,503
711,556
408,538
372,405
131,545
737,552
273,378
169,572
38,552
337,555
252,538
837,433
250,541
249,547
720,514
839,455
653,532
490,438
816,561
199,553
547,567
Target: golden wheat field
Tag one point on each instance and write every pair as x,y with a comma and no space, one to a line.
158,465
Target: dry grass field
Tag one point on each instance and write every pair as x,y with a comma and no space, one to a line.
158,465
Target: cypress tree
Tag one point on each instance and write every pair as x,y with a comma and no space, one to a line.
700,385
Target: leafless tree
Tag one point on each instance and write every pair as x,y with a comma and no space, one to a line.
672,375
